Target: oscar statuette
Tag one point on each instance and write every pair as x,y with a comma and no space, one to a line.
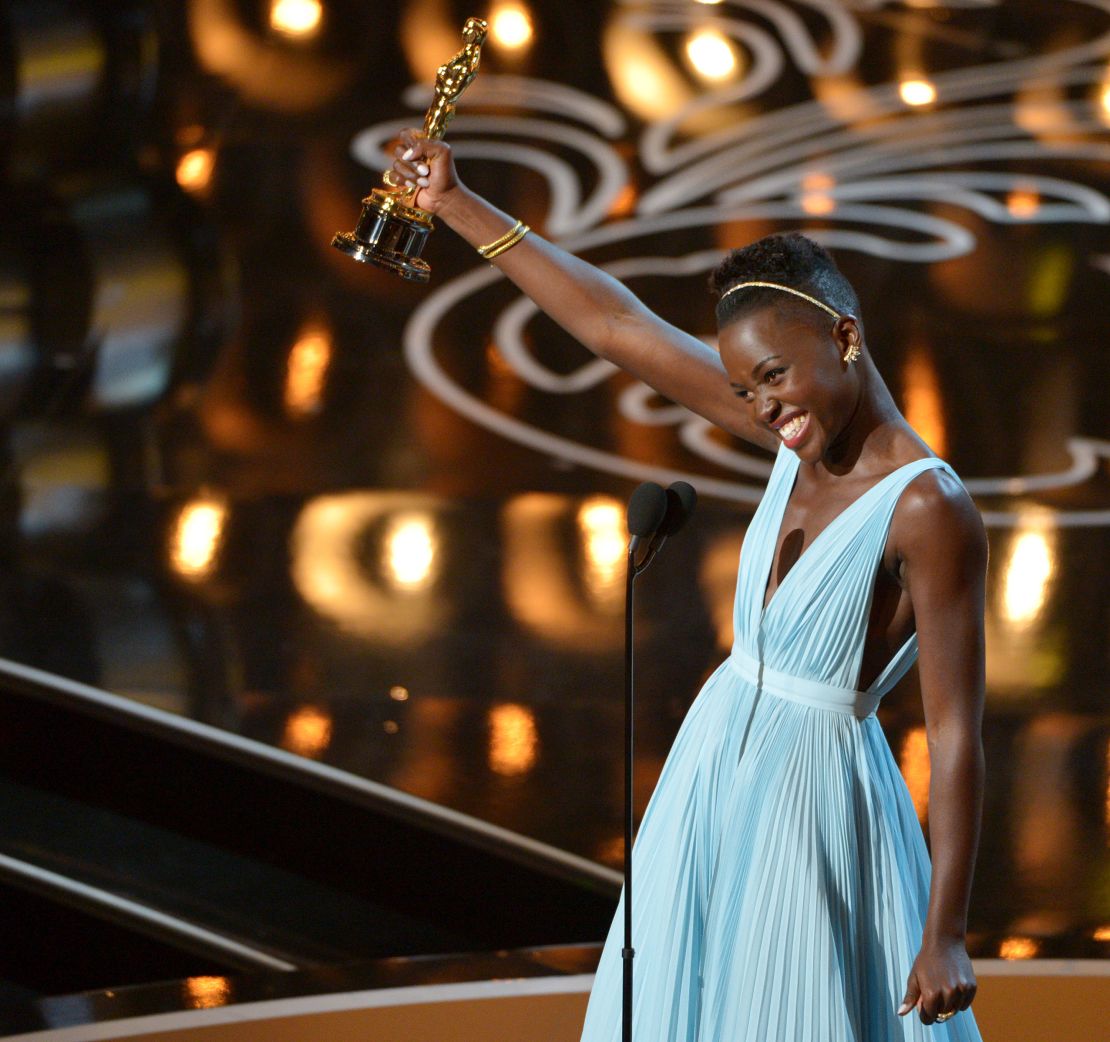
391,231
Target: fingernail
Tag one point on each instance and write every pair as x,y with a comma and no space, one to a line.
903,1009
410,183
408,154
423,182
422,168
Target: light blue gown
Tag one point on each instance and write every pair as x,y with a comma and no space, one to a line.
780,876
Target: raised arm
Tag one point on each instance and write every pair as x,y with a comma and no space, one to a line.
943,548
596,309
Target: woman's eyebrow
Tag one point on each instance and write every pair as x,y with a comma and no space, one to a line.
769,358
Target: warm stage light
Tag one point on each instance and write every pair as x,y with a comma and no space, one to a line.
194,169
308,732
207,992
1019,948
306,371
917,92
923,398
816,198
196,537
409,551
296,18
513,739
1028,573
510,25
1023,203
711,54
916,769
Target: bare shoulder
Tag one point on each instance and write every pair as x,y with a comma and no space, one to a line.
936,520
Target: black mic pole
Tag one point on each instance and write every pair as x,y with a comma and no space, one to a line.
646,513
653,515
628,953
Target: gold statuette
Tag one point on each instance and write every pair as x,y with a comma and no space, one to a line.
391,232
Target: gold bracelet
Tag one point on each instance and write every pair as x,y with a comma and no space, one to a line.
504,242
509,244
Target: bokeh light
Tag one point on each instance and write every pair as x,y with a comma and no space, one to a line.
307,732
513,739
711,54
409,551
306,371
1015,948
1027,573
195,537
299,19
917,92
194,170
510,25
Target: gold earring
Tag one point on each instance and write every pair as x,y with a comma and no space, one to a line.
852,354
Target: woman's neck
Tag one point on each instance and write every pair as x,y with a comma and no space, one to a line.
869,435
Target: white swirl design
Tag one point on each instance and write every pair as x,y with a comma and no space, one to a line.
877,159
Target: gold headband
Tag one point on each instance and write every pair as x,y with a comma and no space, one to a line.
785,289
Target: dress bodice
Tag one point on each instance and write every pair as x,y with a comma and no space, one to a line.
815,624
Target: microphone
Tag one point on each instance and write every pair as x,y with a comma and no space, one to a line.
647,510
681,500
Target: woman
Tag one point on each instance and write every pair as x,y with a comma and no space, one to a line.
785,892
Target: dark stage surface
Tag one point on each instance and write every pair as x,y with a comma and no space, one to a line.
381,525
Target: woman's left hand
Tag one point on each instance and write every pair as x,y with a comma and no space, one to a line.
941,981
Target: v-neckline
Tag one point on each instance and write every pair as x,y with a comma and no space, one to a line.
765,603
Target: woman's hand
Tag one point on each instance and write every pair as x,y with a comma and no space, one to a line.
941,981
427,166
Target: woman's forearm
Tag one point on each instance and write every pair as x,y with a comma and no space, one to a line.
955,809
588,303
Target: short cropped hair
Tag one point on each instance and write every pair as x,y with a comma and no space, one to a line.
789,258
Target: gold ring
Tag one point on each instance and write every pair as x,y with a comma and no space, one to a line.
944,1016
388,178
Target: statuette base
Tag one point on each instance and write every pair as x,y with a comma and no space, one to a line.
390,234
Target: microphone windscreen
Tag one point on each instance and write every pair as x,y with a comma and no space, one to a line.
681,500
646,509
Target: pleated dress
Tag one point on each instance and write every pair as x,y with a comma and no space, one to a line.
780,875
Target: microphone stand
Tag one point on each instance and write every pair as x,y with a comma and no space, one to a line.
628,953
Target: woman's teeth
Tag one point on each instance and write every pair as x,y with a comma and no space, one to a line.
793,427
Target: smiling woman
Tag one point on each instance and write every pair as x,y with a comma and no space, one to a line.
784,881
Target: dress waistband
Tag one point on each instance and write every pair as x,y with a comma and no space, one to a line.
859,704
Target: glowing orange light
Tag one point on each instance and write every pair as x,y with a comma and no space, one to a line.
816,199
1023,203
1019,948
306,372
917,92
296,18
194,169
207,992
924,402
916,770
510,25
1102,933
307,732
604,540
398,693
1029,571
513,739
624,202
196,537
409,551
711,54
